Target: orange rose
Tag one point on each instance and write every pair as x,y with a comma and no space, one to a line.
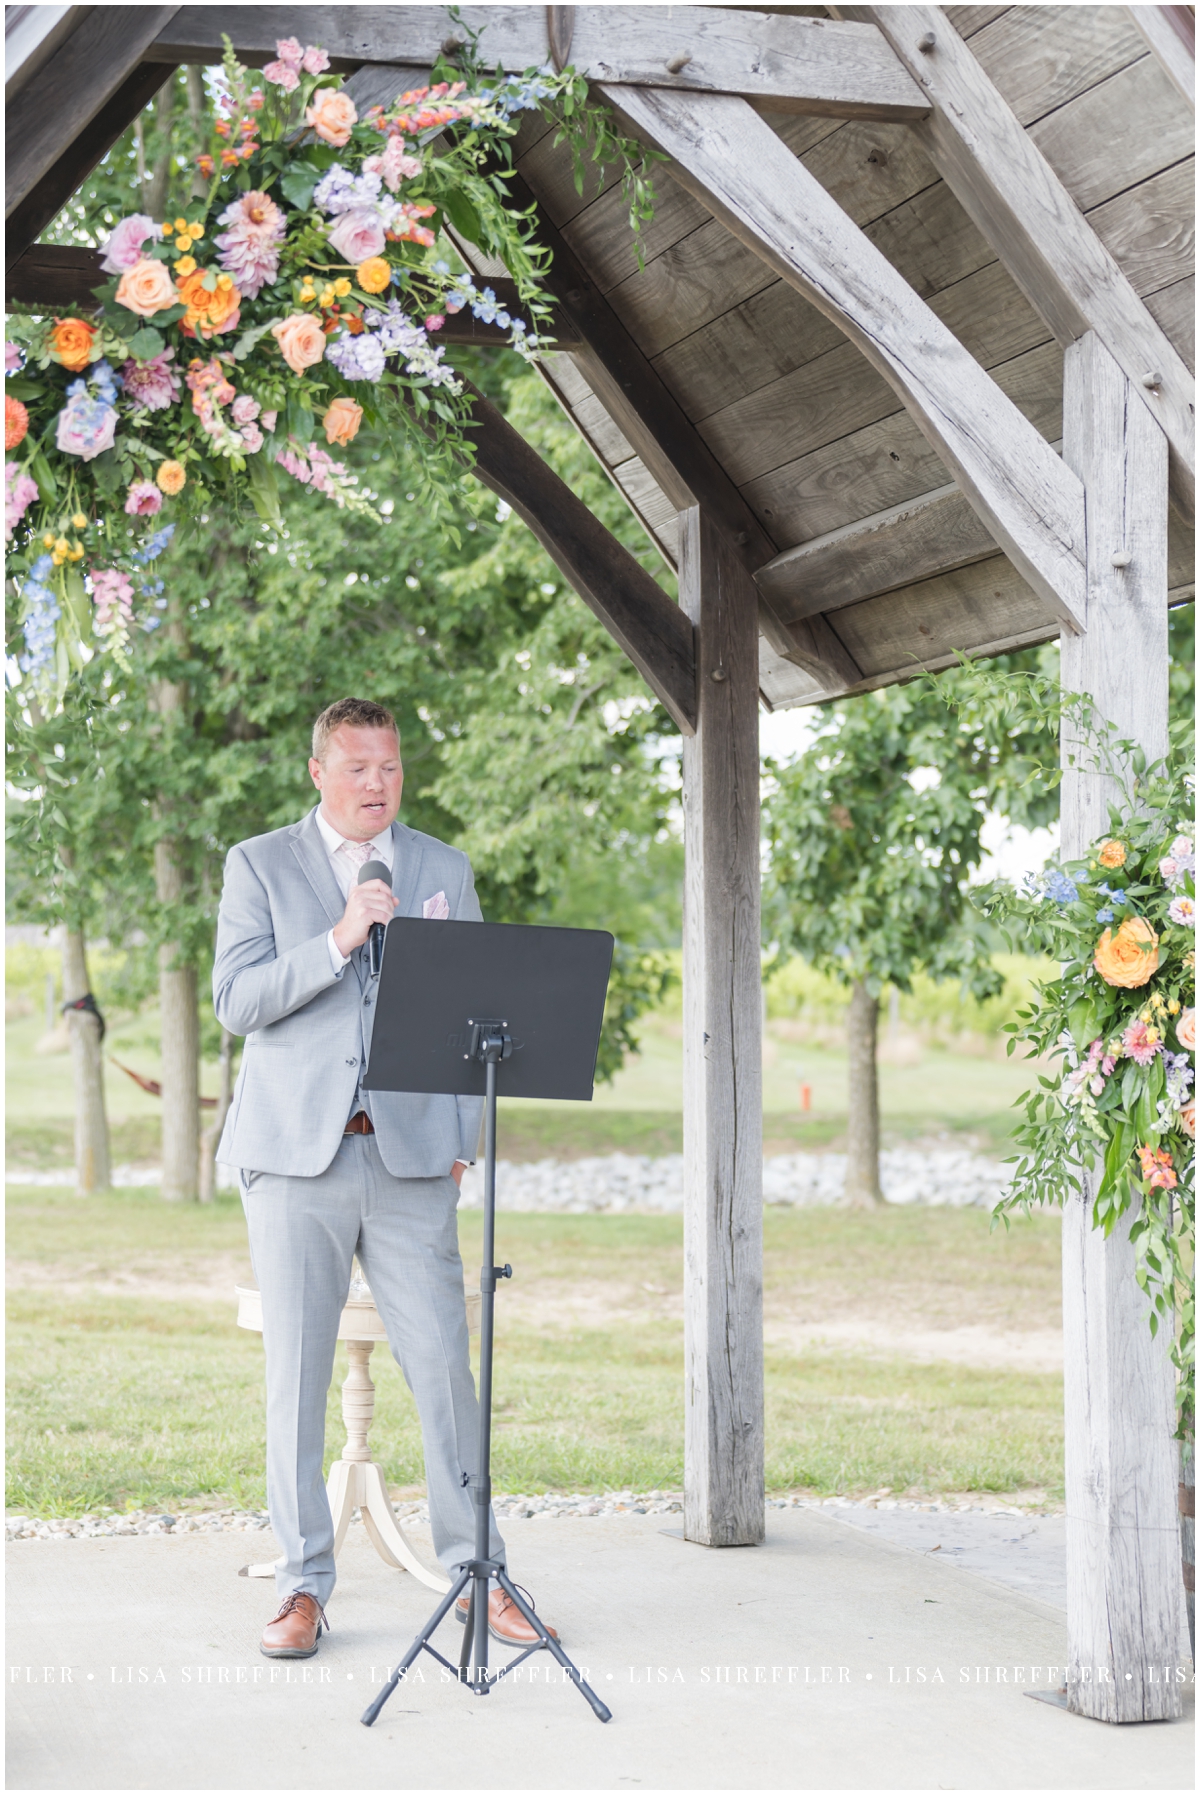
209,313
71,343
301,339
1187,1120
171,477
147,288
1130,957
1112,854
374,275
1185,1030
331,116
341,421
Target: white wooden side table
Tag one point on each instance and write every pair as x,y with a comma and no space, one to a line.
355,1480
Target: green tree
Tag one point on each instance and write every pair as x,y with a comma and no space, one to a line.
527,736
873,834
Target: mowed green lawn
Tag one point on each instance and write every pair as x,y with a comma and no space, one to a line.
130,1384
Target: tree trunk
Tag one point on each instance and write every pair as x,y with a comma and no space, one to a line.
92,1168
155,190
197,108
862,1159
180,1024
210,1139
178,1009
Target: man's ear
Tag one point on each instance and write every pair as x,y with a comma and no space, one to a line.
314,772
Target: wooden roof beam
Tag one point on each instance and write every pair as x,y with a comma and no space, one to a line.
789,64
54,107
1014,197
736,166
54,275
926,536
655,633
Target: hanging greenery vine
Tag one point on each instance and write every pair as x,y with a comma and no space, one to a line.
251,336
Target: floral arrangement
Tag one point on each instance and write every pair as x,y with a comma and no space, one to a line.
1121,1020
249,337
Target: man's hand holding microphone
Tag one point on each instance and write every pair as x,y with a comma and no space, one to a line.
369,909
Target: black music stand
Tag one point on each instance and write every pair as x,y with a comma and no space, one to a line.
456,1000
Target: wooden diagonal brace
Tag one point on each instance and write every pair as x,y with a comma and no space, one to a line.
655,634
737,167
55,107
1010,191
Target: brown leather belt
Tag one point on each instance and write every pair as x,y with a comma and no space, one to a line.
359,1124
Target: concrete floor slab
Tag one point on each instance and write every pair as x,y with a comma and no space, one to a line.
829,1658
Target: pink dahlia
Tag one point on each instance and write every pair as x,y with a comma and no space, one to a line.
152,384
250,247
143,499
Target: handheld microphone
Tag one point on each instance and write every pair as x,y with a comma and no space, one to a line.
375,869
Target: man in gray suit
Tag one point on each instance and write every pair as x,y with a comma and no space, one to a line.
329,1170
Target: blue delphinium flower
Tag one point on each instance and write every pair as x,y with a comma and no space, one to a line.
1059,888
1104,916
42,612
154,545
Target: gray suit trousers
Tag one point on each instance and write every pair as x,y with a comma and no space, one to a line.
303,1234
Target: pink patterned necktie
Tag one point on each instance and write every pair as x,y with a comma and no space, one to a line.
357,852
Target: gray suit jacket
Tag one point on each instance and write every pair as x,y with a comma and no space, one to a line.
307,1030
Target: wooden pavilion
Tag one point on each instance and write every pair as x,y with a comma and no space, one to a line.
906,373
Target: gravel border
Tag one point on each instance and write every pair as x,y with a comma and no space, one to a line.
144,1522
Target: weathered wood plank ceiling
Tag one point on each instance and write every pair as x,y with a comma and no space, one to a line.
813,438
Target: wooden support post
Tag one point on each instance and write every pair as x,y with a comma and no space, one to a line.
1123,1568
722,1052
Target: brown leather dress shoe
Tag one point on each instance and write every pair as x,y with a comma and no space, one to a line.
505,1620
296,1628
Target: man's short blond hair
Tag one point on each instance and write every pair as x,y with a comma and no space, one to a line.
359,713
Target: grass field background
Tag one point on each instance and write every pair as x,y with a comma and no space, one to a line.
897,1342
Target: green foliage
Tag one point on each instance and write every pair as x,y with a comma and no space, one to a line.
527,737
1123,1026
873,833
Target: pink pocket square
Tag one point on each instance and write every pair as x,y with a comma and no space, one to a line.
436,909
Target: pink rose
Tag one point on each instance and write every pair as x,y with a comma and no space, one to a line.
289,50
147,288
124,247
358,235
314,61
281,74
245,409
269,421
252,436
1185,1030
434,321
332,115
143,499
1187,1120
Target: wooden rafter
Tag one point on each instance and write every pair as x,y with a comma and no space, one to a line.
792,64
653,632
633,394
53,109
736,165
1014,197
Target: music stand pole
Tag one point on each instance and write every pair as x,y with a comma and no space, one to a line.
491,1043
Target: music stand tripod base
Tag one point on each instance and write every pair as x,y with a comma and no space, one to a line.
491,1043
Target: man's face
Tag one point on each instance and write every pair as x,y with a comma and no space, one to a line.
360,781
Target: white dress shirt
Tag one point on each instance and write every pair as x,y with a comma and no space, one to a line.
346,872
